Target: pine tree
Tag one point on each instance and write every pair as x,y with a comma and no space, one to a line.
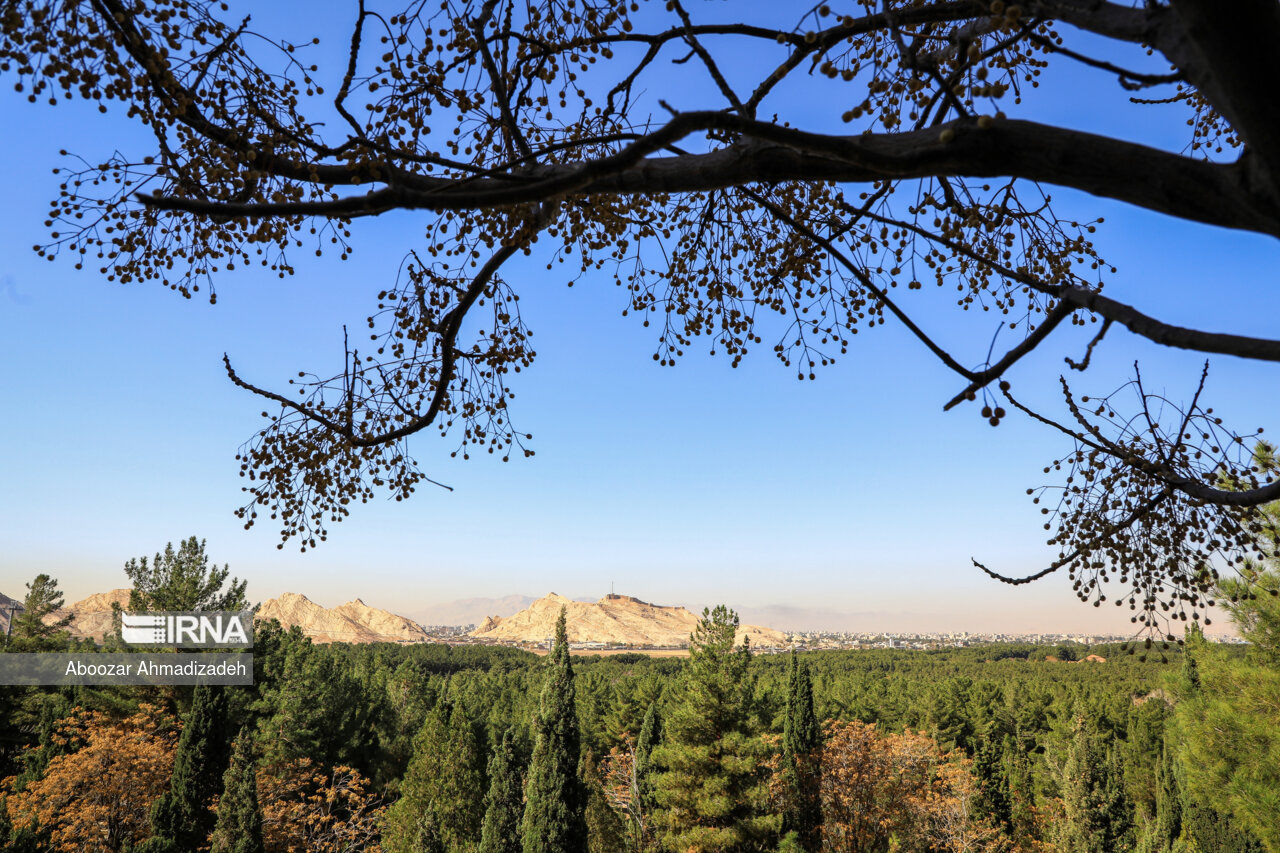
709,792
183,580
181,819
43,598
801,740
442,799
504,804
555,799
239,825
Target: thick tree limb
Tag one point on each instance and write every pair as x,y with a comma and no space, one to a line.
1184,187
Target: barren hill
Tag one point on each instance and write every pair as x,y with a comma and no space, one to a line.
92,615
613,619
353,622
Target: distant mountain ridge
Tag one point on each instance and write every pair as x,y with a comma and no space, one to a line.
353,622
617,619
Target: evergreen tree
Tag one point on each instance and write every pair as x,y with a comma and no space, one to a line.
1017,772
504,804
555,799
650,736
43,598
801,741
1228,717
312,705
1097,816
6,825
1165,827
181,819
709,791
53,708
239,825
442,798
949,721
182,580
993,782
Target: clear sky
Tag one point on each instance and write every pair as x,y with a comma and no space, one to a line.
693,485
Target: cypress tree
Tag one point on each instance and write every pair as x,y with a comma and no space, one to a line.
441,803
650,735
710,793
555,799
1165,827
1021,787
993,782
181,819
239,825
801,740
1096,812
500,832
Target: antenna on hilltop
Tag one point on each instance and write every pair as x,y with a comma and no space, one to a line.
611,589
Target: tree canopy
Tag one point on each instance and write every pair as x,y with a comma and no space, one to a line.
525,127
183,580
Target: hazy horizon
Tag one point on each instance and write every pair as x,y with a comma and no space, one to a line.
779,615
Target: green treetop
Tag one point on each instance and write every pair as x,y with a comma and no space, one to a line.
441,803
710,792
183,580
181,819
239,825
43,598
504,804
801,740
555,797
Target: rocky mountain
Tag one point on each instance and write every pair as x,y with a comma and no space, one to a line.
353,622
613,619
91,617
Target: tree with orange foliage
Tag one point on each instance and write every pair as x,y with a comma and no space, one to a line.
97,798
868,783
621,781
878,790
951,822
307,809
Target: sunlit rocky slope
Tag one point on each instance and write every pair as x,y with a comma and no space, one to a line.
618,619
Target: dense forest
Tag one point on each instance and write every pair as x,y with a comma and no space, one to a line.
495,750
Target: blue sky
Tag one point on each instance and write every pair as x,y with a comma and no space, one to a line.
694,484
